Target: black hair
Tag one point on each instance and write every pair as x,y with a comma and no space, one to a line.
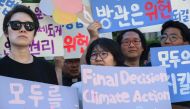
16,9
107,45
141,36
176,24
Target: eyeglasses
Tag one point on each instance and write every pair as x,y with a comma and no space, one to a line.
172,37
102,55
128,42
17,25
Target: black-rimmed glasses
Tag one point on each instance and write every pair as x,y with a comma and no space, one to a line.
128,42
172,37
102,55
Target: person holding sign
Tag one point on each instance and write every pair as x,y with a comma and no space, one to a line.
103,46
133,47
104,52
20,26
175,33
101,51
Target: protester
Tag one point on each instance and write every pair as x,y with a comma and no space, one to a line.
133,47
20,26
71,71
101,51
104,52
175,33
68,70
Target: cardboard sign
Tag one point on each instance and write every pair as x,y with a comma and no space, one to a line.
106,87
180,11
76,39
23,94
126,14
176,59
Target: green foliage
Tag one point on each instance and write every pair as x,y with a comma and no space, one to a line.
115,34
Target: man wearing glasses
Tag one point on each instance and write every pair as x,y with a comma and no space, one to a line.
175,33
20,26
68,70
133,47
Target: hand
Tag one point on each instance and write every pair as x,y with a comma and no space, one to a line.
93,30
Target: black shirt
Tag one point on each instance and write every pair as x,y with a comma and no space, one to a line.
68,80
39,70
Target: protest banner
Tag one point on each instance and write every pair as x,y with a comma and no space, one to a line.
126,14
176,59
23,94
180,12
76,39
106,87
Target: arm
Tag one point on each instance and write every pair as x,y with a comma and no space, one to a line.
59,60
93,30
94,34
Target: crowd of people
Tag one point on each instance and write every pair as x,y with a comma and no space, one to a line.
129,50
